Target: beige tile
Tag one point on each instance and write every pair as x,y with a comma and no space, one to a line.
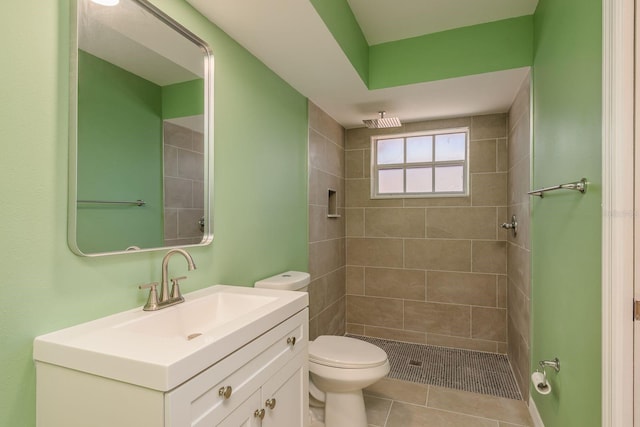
395,283
519,182
497,408
406,415
358,138
316,149
354,328
355,222
437,254
325,124
489,189
317,223
489,323
502,160
171,223
374,311
444,319
178,193
461,288
502,291
482,156
336,285
367,163
326,256
461,223
178,136
503,216
403,391
489,256
395,334
501,348
437,202
394,222
188,223
519,141
317,296
456,122
458,342
331,321
355,280
336,226
313,328
354,164
190,165
170,160
519,263
488,126
521,105
523,237
374,252
358,193
377,410
334,161
519,310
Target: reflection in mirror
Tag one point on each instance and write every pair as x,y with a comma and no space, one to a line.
141,131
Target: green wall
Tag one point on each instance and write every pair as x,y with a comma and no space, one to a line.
477,49
260,200
566,226
122,162
183,99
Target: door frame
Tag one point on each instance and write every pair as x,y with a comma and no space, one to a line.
617,211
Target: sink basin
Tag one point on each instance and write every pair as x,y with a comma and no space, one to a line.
162,349
200,316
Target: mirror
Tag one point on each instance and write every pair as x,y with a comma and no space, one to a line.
141,134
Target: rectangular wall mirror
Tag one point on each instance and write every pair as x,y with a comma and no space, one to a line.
141,131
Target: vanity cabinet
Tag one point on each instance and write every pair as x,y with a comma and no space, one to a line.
264,383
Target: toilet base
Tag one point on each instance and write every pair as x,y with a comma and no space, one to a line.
345,409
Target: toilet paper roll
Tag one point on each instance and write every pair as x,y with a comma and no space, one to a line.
540,383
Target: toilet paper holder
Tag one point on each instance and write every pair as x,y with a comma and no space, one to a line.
555,364
543,386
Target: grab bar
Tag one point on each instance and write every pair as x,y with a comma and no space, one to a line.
580,186
114,202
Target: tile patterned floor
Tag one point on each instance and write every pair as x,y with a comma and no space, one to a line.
475,371
397,403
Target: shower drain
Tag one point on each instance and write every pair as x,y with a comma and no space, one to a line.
416,363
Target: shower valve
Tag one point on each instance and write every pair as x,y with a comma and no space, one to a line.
511,226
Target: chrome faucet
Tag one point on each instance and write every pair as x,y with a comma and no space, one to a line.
166,299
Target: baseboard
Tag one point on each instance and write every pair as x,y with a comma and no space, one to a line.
535,415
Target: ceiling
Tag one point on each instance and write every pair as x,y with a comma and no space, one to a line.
290,38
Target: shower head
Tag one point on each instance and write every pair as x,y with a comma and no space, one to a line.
382,122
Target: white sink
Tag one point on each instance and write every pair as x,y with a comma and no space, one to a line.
164,348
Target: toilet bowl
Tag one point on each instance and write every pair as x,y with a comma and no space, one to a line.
339,367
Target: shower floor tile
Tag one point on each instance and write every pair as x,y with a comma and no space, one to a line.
472,371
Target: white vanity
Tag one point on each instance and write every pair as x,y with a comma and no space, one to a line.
227,356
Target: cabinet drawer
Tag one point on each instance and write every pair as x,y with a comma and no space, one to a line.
202,400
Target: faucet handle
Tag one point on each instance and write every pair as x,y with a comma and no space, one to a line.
175,288
152,301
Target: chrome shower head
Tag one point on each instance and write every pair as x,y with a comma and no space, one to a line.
382,122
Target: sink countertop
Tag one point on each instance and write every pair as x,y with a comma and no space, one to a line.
109,347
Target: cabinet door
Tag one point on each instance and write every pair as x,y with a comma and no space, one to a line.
245,414
285,396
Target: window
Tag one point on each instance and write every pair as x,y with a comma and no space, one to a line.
428,164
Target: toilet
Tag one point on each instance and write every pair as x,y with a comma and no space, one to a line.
339,367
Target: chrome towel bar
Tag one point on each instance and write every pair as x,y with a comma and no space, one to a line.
580,186
114,202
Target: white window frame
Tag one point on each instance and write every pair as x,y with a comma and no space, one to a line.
375,167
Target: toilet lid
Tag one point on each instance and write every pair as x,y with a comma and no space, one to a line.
345,352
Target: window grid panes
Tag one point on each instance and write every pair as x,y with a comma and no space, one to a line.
420,165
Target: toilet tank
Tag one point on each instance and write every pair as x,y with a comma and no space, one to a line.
287,281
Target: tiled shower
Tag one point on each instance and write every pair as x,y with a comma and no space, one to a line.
437,271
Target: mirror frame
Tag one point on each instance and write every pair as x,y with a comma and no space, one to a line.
73,130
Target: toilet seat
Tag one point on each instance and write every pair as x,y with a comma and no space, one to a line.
345,352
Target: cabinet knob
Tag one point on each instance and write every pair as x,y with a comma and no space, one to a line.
225,391
259,413
270,403
291,340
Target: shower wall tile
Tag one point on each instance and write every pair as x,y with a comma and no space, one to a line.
395,283
483,156
438,254
355,222
444,319
489,256
385,312
394,222
489,189
462,288
489,323
518,247
464,343
327,257
374,252
462,223
395,334
417,267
